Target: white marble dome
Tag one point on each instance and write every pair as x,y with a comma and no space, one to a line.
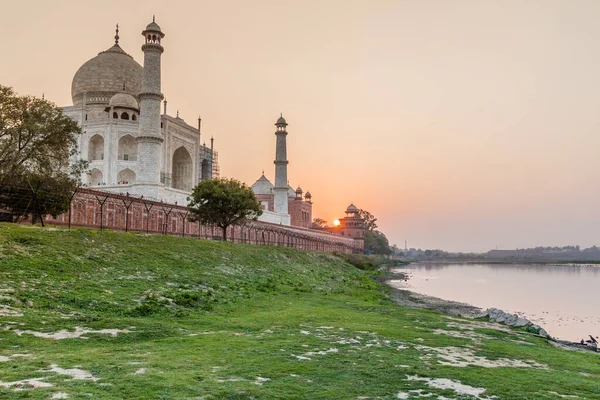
262,186
110,72
124,100
291,192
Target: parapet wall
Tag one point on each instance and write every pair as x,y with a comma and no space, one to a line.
103,210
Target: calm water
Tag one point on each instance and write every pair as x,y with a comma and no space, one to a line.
565,300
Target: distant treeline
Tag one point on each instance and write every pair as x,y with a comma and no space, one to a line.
537,254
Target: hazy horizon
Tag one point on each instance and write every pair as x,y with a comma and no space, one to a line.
461,125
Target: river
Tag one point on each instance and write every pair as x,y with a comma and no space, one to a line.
563,299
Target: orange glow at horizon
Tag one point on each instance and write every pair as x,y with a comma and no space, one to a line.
462,125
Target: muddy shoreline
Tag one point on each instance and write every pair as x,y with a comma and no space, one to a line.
409,299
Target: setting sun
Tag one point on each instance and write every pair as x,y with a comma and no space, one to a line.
336,222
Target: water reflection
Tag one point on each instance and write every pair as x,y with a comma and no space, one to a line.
558,297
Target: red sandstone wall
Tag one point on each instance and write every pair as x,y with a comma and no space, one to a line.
300,213
101,210
268,198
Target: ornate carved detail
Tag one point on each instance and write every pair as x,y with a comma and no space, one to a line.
153,47
94,133
120,134
150,139
177,143
150,95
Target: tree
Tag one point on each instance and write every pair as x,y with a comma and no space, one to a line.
223,202
369,219
37,195
35,136
376,242
319,223
38,145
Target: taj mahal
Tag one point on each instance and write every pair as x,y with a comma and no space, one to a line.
131,146
134,147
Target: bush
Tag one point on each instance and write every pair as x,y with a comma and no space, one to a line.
149,306
361,261
188,299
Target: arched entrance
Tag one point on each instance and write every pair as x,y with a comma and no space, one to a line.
182,169
128,148
95,177
96,148
126,177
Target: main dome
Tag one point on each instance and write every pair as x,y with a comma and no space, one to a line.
111,71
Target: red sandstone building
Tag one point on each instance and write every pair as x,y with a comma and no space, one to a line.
350,226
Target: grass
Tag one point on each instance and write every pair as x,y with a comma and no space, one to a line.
214,320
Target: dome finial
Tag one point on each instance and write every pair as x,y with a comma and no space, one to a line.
123,86
154,18
117,35
281,124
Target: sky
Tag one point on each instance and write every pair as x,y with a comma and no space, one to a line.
463,125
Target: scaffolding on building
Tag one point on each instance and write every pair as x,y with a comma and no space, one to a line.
216,171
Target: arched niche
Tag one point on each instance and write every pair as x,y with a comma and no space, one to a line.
127,148
182,169
95,177
96,148
126,177
205,169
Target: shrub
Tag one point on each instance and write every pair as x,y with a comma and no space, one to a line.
361,261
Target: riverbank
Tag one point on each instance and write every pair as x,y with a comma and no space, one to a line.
124,315
534,261
410,299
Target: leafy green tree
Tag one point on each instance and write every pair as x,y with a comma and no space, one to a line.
369,219
38,145
319,223
37,195
223,202
35,136
376,242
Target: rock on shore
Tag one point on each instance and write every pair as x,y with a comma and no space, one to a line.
500,316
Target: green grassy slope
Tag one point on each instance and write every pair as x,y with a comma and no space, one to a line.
212,320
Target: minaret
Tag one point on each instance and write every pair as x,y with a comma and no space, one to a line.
150,137
281,162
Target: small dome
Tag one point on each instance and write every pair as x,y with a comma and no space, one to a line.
123,100
299,190
104,75
153,26
262,186
308,195
281,121
351,209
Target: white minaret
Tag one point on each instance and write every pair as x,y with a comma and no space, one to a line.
150,137
281,162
